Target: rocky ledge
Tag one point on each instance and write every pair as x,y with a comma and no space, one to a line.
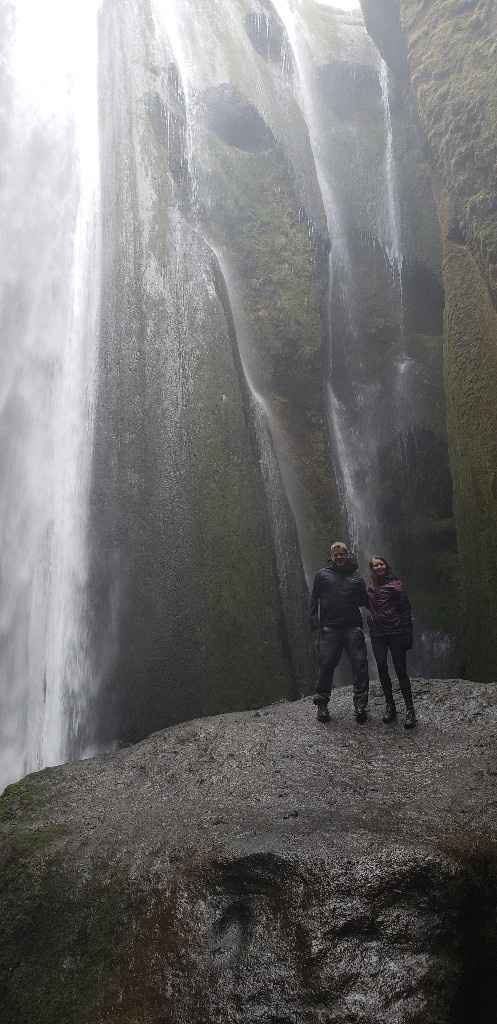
259,867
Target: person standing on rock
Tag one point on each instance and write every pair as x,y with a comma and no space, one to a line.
390,627
337,596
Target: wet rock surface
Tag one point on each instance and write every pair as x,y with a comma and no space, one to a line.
448,50
261,867
237,122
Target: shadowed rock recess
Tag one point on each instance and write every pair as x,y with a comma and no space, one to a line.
258,867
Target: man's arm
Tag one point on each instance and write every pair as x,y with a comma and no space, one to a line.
314,605
362,600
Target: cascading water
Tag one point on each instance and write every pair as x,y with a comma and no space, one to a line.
392,234
376,406
49,278
392,242
353,444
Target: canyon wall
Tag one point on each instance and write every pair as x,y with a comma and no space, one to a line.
446,51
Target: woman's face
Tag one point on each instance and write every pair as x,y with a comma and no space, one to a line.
379,567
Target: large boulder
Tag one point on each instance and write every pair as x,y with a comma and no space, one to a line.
261,867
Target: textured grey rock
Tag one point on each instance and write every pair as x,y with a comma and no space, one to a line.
260,867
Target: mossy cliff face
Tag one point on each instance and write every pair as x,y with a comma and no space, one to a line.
386,329
452,61
217,477
188,606
276,273
263,208
452,54
471,374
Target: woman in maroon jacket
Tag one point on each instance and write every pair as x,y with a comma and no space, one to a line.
390,626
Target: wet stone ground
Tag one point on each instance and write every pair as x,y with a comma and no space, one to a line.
261,867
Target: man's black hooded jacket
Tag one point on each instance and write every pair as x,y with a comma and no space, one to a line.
337,595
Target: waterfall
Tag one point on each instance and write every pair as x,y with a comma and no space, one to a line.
392,241
351,440
206,361
49,274
392,236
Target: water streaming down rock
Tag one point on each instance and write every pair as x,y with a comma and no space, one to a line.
248,352
49,274
183,523
384,399
391,239
329,85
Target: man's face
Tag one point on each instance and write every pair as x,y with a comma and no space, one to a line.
339,555
379,567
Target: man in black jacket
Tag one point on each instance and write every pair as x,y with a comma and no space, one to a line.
337,595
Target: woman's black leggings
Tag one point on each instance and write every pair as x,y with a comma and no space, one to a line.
397,647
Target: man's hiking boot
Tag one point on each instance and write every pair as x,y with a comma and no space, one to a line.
390,713
323,713
322,706
410,721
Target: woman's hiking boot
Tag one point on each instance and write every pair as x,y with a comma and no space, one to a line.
410,719
390,712
390,709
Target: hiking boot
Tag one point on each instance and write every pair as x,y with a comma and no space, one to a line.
405,686
390,713
321,703
323,713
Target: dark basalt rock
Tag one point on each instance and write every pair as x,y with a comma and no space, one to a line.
382,18
268,36
424,297
236,121
261,867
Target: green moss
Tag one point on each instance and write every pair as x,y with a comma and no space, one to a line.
61,979
82,942
278,263
24,842
439,600
471,368
452,57
19,799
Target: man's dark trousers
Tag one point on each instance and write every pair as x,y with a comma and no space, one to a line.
332,642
